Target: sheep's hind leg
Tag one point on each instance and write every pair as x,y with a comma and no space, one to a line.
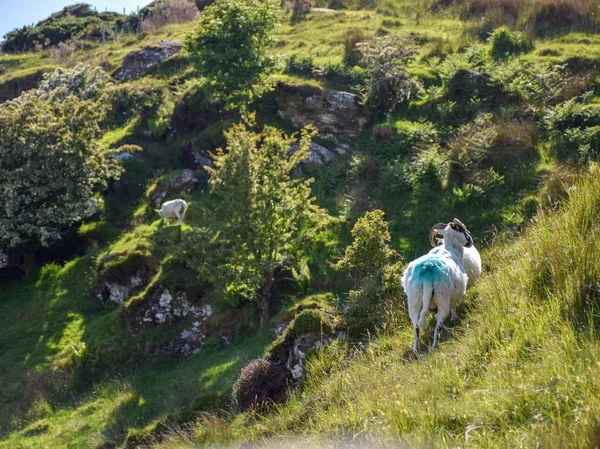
453,315
416,342
442,315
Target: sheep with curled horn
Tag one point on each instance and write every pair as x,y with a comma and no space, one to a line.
437,282
471,257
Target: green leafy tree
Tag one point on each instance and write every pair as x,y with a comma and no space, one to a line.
264,207
375,270
51,165
230,44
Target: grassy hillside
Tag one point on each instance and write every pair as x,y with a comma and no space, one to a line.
518,369
513,157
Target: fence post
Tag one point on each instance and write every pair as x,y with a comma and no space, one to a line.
116,33
139,21
103,34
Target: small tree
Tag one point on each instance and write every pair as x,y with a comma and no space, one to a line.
375,270
385,60
263,206
230,43
50,161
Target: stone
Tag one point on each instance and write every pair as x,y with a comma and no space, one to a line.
335,112
123,156
117,287
192,338
167,189
302,345
318,155
138,62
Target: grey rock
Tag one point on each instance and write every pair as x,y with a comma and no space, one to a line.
318,154
170,188
124,156
118,288
338,113
302,345
191,339
138,62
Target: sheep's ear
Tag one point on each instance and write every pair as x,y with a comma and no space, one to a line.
157,211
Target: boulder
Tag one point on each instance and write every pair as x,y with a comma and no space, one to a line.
170,188
138,62
335,112
196,155
318,154
167,306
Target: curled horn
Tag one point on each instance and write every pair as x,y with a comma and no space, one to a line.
435,232
466,233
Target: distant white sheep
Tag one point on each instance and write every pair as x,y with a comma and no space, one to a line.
437,281
173,209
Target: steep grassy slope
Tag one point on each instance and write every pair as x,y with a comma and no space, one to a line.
518,369
520,363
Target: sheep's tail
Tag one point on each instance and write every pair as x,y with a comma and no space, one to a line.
427,295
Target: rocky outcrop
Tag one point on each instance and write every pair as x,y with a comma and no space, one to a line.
138,62
300,348
119,290
170,187
335,112
167,307
190,340
14,86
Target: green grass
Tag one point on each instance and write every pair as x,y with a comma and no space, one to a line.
71,374
518,369
518,366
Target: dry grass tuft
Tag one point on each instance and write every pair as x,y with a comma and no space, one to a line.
514,139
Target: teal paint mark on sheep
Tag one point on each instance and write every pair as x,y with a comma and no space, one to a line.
431,269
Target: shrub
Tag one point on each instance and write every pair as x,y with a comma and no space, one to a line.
307,321
573,130
469,148
428,169
372,265
505,43
260,384
83,81
385,60
536,85
140,97
171,11
311,320
230,45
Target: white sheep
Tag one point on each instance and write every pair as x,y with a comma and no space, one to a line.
173,209
437,281
471,258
